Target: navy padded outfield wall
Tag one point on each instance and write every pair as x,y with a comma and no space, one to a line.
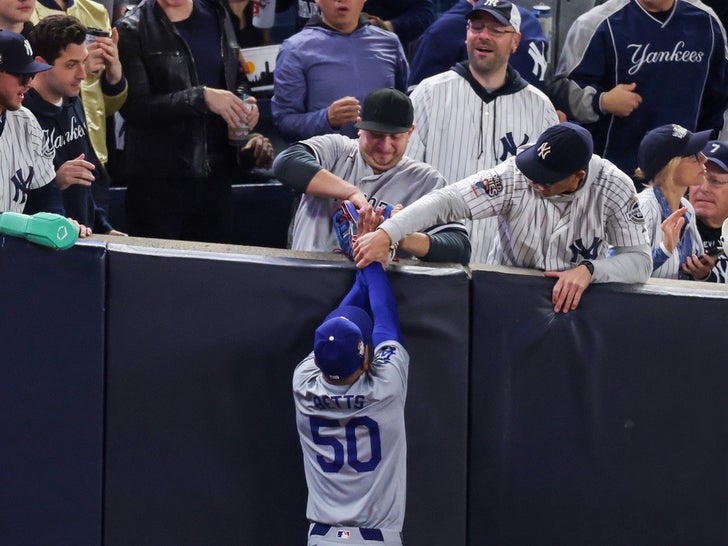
51,393
145,399
201,440
604,426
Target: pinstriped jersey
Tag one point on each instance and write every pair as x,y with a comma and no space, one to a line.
547,233
354,443
24,165
459,133
404,183
670,269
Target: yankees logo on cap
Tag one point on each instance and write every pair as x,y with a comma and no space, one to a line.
559,152
504,12
16,55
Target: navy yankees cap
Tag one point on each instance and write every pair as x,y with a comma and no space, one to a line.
386,111
340,341
559,152
717,152
661,145
16,55
505,13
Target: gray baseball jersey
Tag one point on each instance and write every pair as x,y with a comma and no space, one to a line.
459,134
24,165
354,443
554,233
404,183
653,223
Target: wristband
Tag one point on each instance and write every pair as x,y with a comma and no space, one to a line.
589,266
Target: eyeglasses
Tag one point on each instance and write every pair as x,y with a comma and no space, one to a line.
24,79
477,28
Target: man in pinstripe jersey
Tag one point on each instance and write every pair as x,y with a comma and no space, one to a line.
476,114
560,209
24,165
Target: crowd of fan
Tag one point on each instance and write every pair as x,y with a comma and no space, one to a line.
171,76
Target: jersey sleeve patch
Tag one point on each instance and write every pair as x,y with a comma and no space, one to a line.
488,185
634,213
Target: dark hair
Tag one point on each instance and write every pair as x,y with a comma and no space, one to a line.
55,33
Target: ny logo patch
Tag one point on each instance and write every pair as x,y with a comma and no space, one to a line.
22,184
544,150
490,3
28,49
538,56
490,184
587,253
510,146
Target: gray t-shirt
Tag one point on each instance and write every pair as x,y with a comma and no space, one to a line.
404,183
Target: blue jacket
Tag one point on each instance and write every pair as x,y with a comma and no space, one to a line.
319,65
443,46
679,67
65,131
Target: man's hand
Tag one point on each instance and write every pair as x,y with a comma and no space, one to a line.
699,267
83,231
372,247
571,284
75,171
621,100
369,220
379,22
343,111
262,150
108,53
671,228
227,105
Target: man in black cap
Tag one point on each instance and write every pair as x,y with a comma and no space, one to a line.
560,210
371,172
24,166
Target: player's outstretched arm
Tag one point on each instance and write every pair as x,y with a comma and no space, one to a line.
383,305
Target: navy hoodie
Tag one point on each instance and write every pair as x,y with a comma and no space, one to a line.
64,130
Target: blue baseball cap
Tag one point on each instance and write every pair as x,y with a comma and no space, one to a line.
666,142
340,342
16,55
504,12
559,152
717,152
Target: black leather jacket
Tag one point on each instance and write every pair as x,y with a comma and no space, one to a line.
165,110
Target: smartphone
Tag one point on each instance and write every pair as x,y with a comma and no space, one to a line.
91,34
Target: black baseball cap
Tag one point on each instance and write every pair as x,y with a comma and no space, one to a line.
16,55
505,12
559,152
716,152
666,142
386,111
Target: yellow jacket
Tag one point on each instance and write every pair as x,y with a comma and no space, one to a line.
96,105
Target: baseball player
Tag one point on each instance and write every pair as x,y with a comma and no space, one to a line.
24,165
559,209
671,161
476,114
369,171
349,395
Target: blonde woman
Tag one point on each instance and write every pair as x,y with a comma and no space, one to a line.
670,161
